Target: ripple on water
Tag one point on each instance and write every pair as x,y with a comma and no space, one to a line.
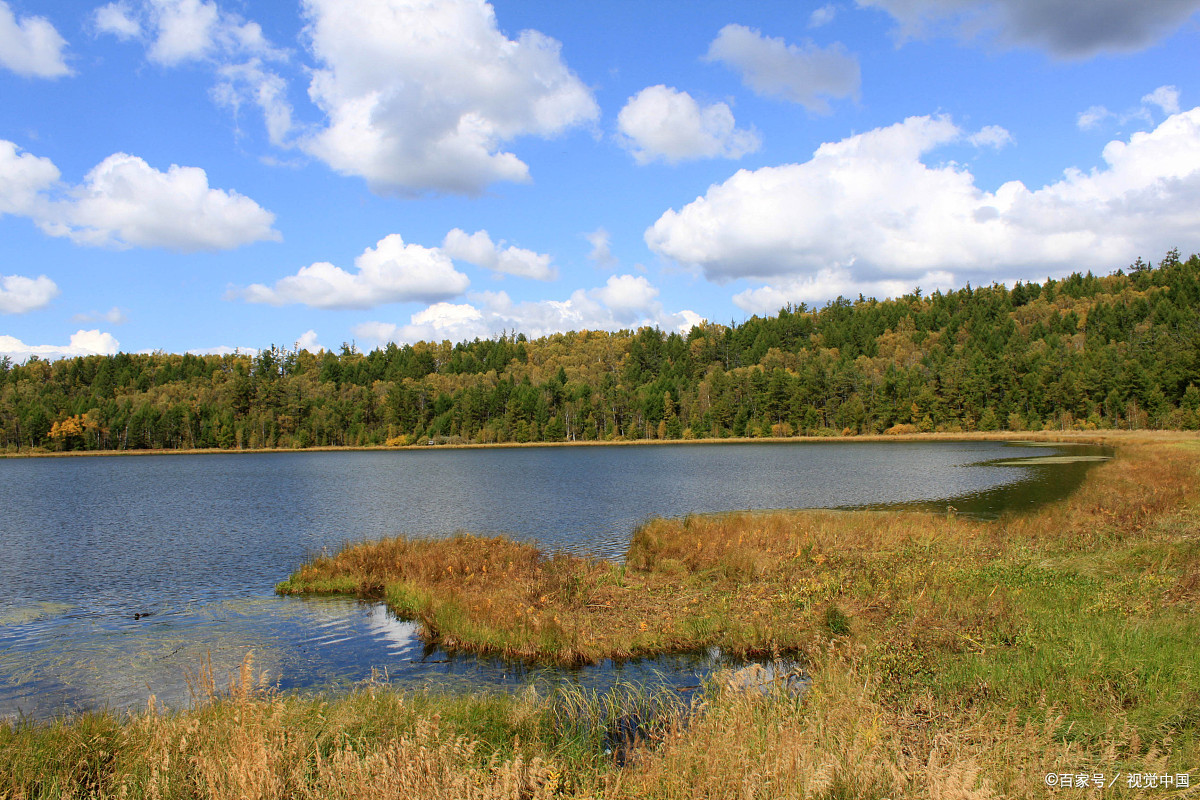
146,568
16,613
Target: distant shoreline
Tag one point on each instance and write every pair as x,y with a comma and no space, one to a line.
1077,437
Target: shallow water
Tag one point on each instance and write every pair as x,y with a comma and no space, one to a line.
120,574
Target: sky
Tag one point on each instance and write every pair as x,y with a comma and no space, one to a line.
211,175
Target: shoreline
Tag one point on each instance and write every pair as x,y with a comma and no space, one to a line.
1065,437
573,610
947,659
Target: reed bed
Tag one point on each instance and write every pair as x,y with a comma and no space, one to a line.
950,658
764,583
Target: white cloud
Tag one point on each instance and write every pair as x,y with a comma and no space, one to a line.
601,244
991,136
832,282
822,16
866,210
1067,28
1092,117
390,272
114,316
224,350
1165,97
251,82
117,19
308,341
186,31
124,202
177,32
31,46
661,122
83,343
805,74
625,301
478,249
421,95
24,178
19,294
627,294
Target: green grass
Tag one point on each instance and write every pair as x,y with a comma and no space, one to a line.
949,658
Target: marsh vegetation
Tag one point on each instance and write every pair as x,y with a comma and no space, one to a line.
949,658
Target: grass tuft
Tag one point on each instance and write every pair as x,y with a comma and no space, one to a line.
948,658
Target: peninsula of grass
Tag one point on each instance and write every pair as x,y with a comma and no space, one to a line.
949,658
763,583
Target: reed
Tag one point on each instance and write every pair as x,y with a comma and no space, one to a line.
949,658
245,741
761,583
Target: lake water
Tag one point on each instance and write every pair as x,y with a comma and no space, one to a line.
118,574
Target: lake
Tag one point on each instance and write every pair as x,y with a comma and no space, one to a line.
121,573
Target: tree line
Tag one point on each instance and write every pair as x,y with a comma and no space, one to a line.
1083,352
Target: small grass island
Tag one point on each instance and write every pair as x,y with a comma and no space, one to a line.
949,657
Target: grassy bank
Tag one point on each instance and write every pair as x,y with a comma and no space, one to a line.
950,658
992,436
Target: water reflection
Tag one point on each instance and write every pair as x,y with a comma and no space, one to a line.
121,574
1031,481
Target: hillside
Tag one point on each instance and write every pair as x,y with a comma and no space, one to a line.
1121,351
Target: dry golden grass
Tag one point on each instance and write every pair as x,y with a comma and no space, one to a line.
839,740
752,583
949,658
246,743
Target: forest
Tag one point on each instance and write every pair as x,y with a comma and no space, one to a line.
1082,352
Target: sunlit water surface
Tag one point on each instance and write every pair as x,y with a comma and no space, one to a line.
119,575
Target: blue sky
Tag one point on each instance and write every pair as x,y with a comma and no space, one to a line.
203,175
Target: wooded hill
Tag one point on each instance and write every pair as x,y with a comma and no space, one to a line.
1081,352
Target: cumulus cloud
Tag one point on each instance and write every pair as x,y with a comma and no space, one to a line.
422,95
804,74
626,295
177,32
991,136
625,301
30,46
117,19
82,343
308,341
251,83
822,16
833,282
1164,99
601,243
1065,28
478,249
114,316
24,179
663,123
19,294
124,202
1092,117
867,212
390,272
186,31
224,350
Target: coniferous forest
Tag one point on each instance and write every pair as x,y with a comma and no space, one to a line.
1083,352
